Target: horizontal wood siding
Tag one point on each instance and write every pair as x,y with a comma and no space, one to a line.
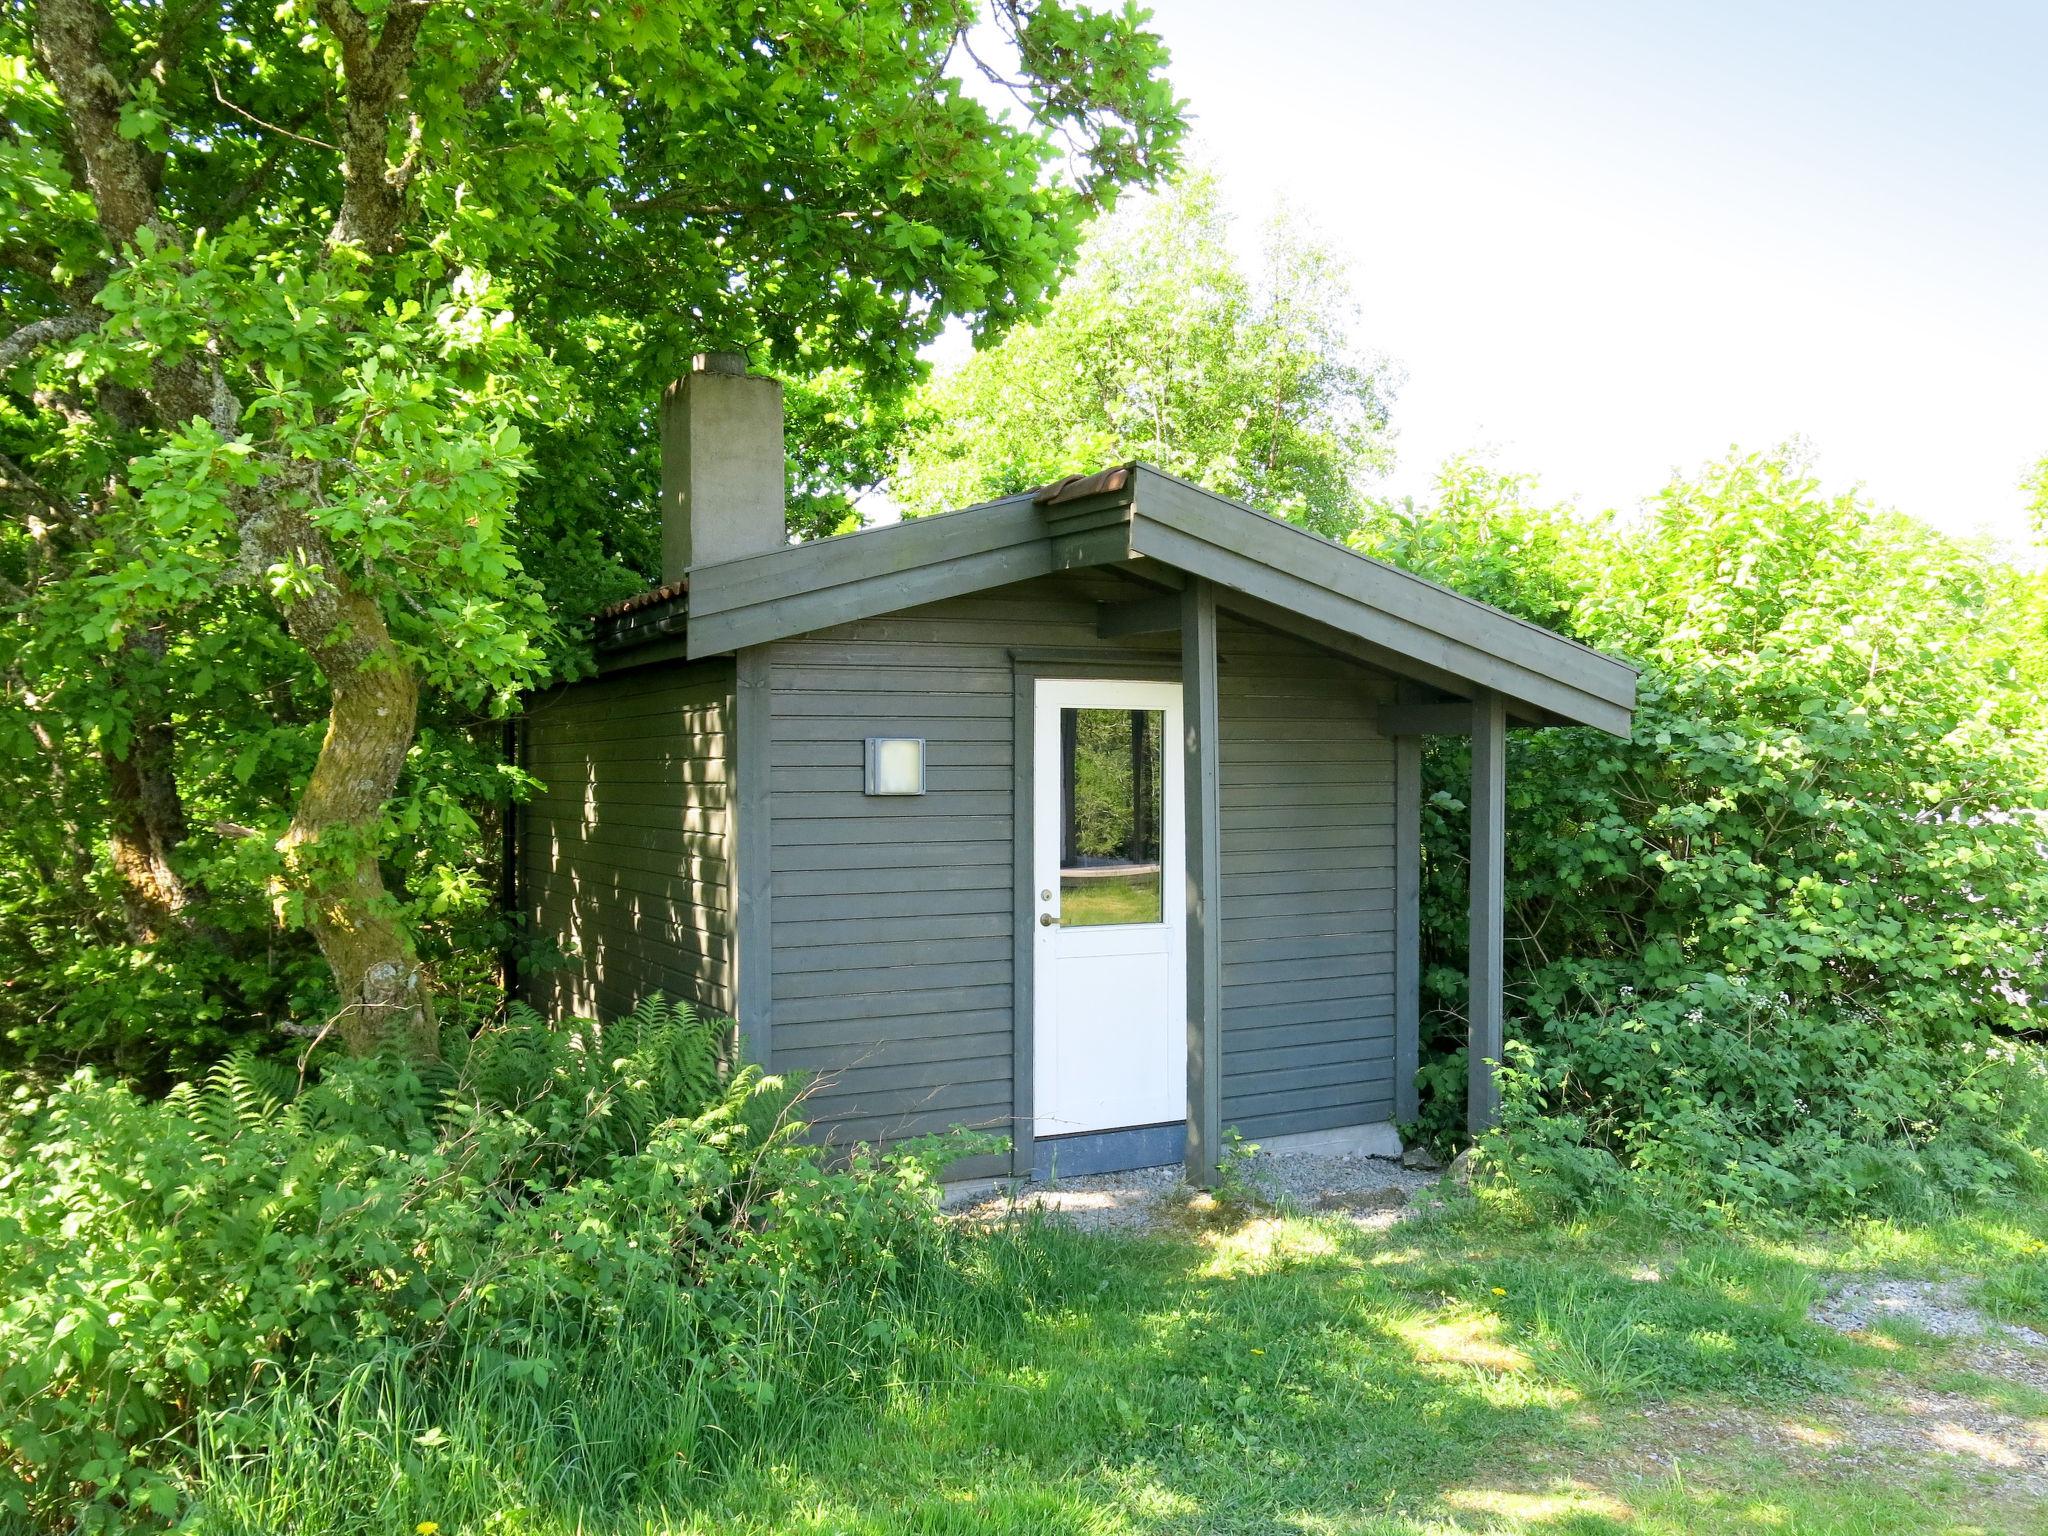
625,854
1308,888
892,918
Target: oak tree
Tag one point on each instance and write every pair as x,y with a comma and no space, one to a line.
314,314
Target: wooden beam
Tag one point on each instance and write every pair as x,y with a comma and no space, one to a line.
752,842
1147,616
1407,923
1337,642
1450,719
1203,851
1485,1004
1151,573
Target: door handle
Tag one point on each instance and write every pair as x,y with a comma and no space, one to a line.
1047,920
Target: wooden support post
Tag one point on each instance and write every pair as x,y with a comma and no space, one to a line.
752,840
1023,951
1407,923
1484,1005
1204,849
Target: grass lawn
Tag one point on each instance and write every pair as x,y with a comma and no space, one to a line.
1281,1375
1099,900
1460,1373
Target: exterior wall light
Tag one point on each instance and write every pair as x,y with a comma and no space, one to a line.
895,765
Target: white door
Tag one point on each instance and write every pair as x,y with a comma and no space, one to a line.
1109,982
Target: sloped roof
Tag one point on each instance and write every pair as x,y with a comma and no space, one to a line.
1156,525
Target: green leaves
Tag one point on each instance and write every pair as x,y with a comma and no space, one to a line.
1826,832
168,1263
452,412
392,425
1163,348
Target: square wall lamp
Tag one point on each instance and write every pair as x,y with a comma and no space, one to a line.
895,765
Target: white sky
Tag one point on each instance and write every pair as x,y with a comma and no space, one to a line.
1606,239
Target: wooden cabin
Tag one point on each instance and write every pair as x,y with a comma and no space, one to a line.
1090,815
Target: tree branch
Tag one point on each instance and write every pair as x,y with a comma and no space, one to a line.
376,71
251,117
71,46
39,333
18,482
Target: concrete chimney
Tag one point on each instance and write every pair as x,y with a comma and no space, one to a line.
721,466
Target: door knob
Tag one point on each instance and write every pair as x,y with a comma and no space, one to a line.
1046,920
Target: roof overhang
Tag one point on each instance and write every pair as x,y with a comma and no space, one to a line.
1153,524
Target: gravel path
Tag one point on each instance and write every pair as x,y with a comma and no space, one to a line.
1933,1306
1916,1419
1373,1192
1940,1307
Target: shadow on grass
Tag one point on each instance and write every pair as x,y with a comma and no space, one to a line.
1456,1374
1283,1376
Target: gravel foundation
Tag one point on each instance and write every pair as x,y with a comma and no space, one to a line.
1373,1192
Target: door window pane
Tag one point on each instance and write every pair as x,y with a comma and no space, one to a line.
1112,796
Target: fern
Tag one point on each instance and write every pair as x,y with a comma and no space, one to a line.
599,1090
545,1191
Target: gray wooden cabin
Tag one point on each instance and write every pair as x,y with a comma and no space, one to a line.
1089,816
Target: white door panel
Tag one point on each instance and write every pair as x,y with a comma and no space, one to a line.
1110,1048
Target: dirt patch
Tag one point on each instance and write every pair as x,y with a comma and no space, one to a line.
1903,1431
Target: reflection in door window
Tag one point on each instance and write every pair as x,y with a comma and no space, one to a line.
1111,799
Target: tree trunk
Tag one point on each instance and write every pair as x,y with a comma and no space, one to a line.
145,813
330,850
145,821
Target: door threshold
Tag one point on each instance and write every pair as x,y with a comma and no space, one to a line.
1081,1153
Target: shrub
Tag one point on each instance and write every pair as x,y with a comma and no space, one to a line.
189,1268
1774,952
1724,1101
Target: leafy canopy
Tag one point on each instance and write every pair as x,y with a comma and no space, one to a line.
1164,348
1767,950
329,334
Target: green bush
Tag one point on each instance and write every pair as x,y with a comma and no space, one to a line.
1775,952
1724,1103
186,1270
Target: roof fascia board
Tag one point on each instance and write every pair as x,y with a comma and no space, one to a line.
1272,572
860,575
1244,550
800,613
873,552
1409,649
1397,593
642,653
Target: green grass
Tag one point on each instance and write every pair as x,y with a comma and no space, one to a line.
1100,900
1462,1374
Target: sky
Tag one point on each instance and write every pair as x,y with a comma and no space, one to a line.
1605,241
